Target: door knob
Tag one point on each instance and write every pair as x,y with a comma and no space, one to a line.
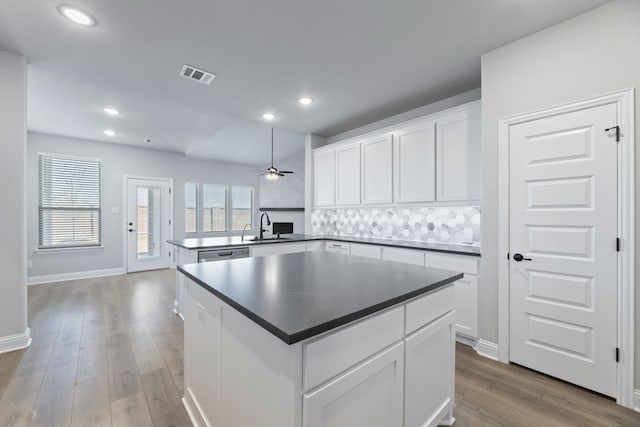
520,257
131,230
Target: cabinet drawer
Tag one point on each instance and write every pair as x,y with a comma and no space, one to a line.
408,256
278,249
327,356
315,246
339,247
425,309
368,251
460,263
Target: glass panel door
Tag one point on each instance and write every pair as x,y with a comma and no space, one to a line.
149,215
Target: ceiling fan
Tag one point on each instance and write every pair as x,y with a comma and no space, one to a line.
272,172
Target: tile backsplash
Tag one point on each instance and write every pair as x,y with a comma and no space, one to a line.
450,224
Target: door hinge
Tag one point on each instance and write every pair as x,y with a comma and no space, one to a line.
169,222
617,244
617,354
507,255
169,253
169,190
617,129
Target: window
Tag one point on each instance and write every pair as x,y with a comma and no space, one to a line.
68,202
214,208
191,207
242,207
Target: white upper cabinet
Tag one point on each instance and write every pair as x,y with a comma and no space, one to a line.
348,174
324,177
377,170
414,163
458,156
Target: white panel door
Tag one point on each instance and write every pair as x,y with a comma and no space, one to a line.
563,222
377,170
414,169
370,395
459,161
324,177
148,224
348,174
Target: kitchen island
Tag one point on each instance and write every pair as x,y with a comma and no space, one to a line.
318,339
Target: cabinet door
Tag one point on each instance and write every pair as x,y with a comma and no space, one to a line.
459,158
430,370
324,177
202,357
348,174
414,164
466,290
368,395
367,251
377,170
407,256
278,249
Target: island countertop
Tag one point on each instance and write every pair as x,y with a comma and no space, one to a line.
201,243
297,296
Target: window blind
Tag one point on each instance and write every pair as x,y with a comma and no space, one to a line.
69,202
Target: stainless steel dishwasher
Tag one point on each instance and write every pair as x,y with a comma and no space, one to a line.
221,254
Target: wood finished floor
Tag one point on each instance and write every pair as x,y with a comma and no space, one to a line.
108,352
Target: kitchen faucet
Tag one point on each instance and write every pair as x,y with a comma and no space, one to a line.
262,230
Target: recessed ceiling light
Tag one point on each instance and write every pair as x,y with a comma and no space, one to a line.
305,100
111,111
109,132
76,15
268,116
148,140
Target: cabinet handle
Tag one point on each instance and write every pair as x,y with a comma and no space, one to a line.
225,253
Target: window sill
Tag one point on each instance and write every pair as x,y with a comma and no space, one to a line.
65,250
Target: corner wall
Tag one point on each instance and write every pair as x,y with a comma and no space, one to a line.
14,333
590,55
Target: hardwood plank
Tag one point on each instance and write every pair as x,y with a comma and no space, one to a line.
9,363
19,399
164,399
92,359
131,411
122,370
91,406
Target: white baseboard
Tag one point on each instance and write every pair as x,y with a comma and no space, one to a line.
465,340
15,342
487,349
636,400
50,278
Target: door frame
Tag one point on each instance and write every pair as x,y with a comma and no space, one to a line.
125,204
626,229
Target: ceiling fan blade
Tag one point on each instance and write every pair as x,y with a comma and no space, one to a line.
263,173
285,171
279,173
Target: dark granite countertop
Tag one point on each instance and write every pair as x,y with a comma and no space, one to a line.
297,296
199,243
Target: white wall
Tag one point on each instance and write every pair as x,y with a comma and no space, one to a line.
285,192
118,161
590,55
13,140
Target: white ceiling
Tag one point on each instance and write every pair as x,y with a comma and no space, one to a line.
361,60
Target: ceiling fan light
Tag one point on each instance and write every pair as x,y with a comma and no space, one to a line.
271,176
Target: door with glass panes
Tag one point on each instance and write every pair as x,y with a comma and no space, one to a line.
148,224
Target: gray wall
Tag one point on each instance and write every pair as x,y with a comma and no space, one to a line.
118,161
286,192
13,139
590,55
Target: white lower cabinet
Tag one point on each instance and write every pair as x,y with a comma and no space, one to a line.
467,305
430,360
367,251
408,256
338,247
369,395
278,249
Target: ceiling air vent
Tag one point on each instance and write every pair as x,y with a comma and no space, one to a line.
193,73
